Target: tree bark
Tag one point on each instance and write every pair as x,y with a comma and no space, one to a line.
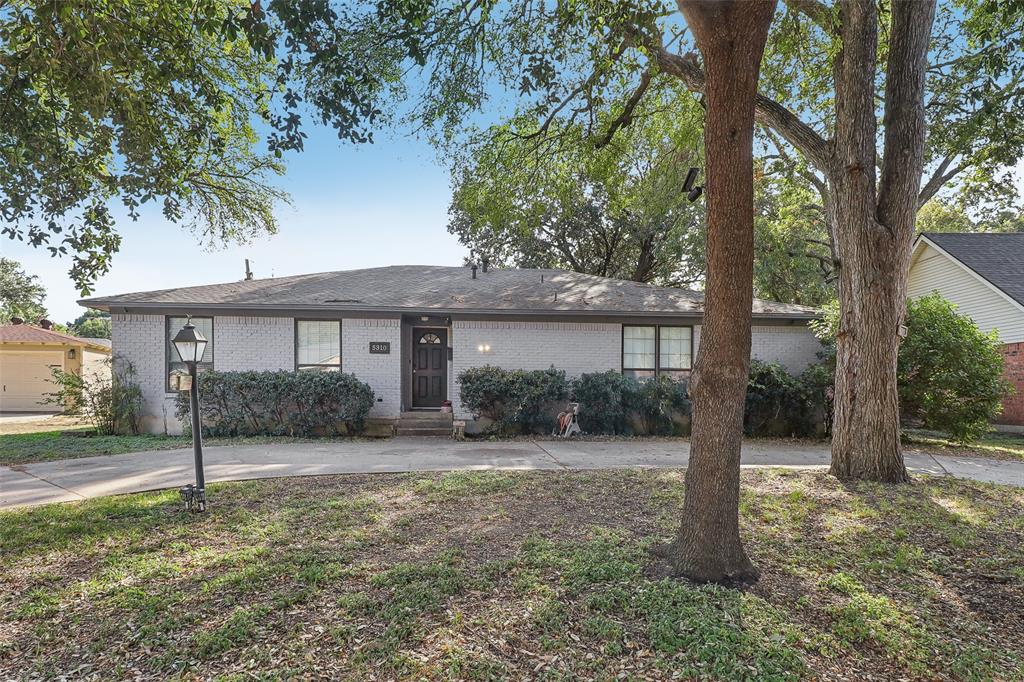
731,36
873,235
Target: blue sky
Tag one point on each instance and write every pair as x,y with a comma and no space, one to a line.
353,206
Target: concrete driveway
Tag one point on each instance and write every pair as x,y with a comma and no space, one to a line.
78,479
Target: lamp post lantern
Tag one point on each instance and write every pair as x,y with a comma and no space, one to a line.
190,345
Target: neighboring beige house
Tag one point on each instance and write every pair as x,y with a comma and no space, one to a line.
28,355
983,275
409,331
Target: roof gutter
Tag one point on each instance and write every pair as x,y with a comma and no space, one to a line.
113,306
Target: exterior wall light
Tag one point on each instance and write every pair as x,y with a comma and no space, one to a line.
693,191
484,348
190,344
71,354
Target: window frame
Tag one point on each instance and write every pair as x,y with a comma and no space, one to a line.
295,343
657,369
168,351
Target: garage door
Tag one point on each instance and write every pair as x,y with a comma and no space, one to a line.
25,376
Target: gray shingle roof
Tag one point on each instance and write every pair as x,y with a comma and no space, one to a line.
996,257
441,289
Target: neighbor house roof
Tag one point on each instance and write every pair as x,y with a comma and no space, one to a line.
996,257
414,288
27,333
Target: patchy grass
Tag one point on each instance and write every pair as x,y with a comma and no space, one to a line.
48,446
994,444
488,576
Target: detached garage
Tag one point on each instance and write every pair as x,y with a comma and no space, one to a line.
28,355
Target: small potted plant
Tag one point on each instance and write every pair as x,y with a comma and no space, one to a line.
446,406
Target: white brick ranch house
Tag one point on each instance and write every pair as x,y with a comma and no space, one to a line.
408,331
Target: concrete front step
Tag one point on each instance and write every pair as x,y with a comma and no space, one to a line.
440,432
426,415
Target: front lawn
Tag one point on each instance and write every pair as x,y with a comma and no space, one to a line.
994,444
48,446
540,575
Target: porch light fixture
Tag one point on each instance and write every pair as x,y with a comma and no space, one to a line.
71,354
484,348
190,344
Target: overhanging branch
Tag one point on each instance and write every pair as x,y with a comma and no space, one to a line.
626,117
767,111
818,12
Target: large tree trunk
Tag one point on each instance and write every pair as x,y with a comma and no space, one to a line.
873,235
731,36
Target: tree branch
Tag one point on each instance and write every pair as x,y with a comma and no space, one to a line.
626,117
940,177
767,111
818,12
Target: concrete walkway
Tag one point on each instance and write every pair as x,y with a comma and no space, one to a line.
77,479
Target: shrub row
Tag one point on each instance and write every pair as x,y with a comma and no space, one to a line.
279,403
514,400
778,404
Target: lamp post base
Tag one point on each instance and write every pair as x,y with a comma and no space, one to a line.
193,498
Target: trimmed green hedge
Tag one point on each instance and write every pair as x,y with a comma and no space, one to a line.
515,400
778,404
614,404
279,403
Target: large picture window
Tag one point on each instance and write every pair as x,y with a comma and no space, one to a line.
174,363
653,350
318,345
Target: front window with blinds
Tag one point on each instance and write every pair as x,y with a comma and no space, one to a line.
174,363
318,345
653,350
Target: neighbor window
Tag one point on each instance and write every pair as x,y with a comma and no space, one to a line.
174,363
652,350
318,345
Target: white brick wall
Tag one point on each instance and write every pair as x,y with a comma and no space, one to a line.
139,340
576,347
254,343
382,372
792,346
267,343
240,343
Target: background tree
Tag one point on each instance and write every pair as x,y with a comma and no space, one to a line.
614,208
21,294
92,324
793,257
949,215
610,208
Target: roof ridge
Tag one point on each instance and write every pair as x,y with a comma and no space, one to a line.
51,332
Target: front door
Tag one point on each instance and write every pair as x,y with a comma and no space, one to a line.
429,367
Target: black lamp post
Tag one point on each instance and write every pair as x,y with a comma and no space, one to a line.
190,344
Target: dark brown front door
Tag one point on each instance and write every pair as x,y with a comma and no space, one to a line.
429,367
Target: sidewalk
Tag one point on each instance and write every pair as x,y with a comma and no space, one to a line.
78,479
